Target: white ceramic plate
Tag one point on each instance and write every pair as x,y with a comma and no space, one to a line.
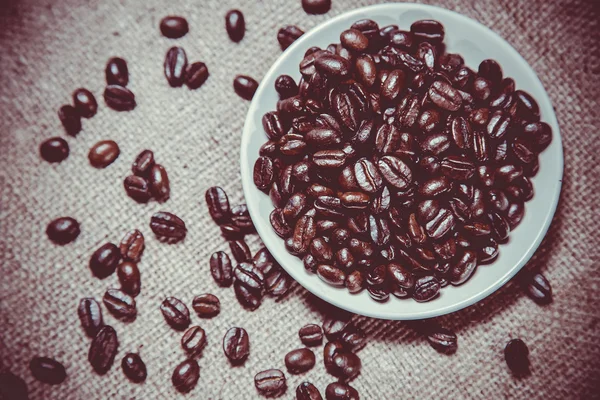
475,43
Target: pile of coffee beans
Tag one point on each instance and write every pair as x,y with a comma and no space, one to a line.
393,166
149,179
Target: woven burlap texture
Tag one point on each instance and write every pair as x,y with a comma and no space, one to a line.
48,49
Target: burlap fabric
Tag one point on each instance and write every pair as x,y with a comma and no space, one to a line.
49,49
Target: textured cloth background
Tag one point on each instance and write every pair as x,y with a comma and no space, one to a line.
48,49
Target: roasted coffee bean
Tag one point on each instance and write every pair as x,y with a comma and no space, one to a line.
316,6
426,53
457,168
273,125
334,327
240,250
436,143
311,335
63,230
143,163
279,224
175,313
103,349
353,339
304,232
117,72
119,98
445,96
236,345
540,133
54,150
174,27
395,171
218,204
249,298
270,382
426,288
329,352
307,391
134,367
103,153
294,207
488,252
366,70
286,86
277,281
514,214
346,365
220,269
104,261
249,275
354,40
129,277
235,25
240,216
47,370
486,175
288,35
354,281
355,200
537,287
498,125
463,268
340,391
429,121
300,360
523,151
120,304
321,249
206,305
196,74
168,227
333,65
388,139
490,70
186,375
245,86
262,258
132,246
442,339
379,231
323,137
175,66
137,188
193,341
393,85
516,355
85,103
428,30
90,316
367,176
331,275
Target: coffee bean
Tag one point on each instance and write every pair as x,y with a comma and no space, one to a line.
12,387
240,250
47,370
307,391
220,269
340,391
331,275
316,6
129,277
90,316
428,30
85,103
120,304
286,86
279,224
174,27
248,297
457,168
103,153
354,40
288,35
311,335
354,281
300,360
277,281
235,25
168,227
333,327
463,268
195,75
206,305
218,204
353,339
186,376
117,72
137,188
63,230
119,98
175,66
537,287
270,382
193,341
333,65
249,275
132,246
346,365
426,289
445,96
516,355
104,261
143,163
175,313
329,352
236,345
245,86
442,339
103,350
490,70
367,176
134,368
54,150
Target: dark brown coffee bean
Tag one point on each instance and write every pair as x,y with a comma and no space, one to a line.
63,230
408,111
220,269
329,351
117,72
428,30
311,335
277,281
395,171
119,98
331,275
129,277
54,150
196,74
427,53
294,207
346,365
286,86
249,298
279,224
103,350
457,167
168,227
307,391
85,103
379,231
250,276
490,70
366,70
218,204
137,188
288,35
143,163
245,86
270,383
340,391
134,368
354,40
236,345
104,261
304,232
240,217
175,66
132,246
334,327
540,133
300,360
240,250
90,316
316,6
354,281
400,276
514,214
103,153
186,375
426,289
445,96
47,370
120,304
367,176
333,65
235,25
12,387
206,305
353,339
537,287
463,268
193,341
442,339
516,355
174,27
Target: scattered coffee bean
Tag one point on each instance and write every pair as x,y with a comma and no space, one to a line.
329,352
195,75
137,188
218,204
249,298
353,339
104,261
288,35
307,391
132,246
277,281
235,25
316,6
236,345
119,98
129,277
120,304
240,250
117,72
206,305
168,227
103,349
537,287
175,66
90,316
311,335
143,164
346,365
300,360
442,339
54,150
186,375
85,103
70,119
63,230
134,367
516,355
193,340
270,382
103,153
47,370
174,27
160,186
12,387
221,269
240,217
333,327
340,391
245,86
176,313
